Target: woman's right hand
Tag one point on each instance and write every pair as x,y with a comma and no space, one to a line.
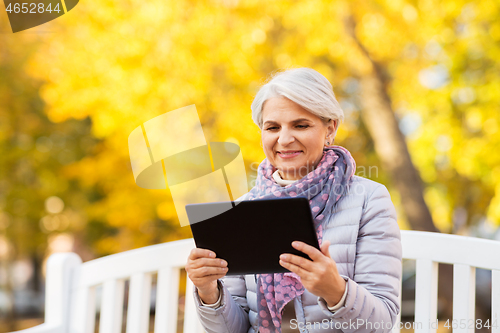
203,269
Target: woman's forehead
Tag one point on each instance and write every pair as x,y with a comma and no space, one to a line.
279,109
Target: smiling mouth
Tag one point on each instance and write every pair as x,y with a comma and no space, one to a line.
290,153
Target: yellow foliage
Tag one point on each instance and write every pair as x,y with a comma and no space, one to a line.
166,210
123,63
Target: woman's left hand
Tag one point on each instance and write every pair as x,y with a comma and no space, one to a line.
319,276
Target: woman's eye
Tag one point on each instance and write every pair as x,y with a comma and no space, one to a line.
273,128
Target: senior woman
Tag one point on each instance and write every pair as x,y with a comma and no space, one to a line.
352,283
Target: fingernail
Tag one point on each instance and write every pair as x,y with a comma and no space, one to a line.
284,257
223,263
212,254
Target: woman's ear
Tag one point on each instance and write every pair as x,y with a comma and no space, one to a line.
331,131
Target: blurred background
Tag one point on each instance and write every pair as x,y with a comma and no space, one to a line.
418,82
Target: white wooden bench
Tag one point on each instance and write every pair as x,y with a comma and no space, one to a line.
70,304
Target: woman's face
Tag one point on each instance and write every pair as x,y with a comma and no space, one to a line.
287,127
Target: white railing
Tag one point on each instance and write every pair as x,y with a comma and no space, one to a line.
70,305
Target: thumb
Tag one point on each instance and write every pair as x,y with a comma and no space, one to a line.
324,248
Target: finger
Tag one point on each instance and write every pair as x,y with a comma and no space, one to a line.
299,261
204,272
325,248
295,269
201,253
312,252
207,262
200,282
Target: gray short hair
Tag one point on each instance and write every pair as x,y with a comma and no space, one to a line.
304,86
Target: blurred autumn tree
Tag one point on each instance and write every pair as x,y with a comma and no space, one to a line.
113,65
34,153
124,64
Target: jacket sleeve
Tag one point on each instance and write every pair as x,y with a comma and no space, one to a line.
232,315
372,302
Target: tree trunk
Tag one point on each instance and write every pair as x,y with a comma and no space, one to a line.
390,145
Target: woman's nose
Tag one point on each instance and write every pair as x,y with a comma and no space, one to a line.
285,138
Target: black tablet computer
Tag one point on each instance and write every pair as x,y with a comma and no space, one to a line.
251,235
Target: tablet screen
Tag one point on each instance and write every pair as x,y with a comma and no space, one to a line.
252,235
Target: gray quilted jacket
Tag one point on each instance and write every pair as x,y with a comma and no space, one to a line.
365,244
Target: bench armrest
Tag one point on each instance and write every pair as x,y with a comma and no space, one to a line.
43,328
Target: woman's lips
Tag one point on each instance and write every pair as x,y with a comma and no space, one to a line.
285,156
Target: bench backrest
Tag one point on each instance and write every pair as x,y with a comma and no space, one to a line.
71,285
71,290
465,254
